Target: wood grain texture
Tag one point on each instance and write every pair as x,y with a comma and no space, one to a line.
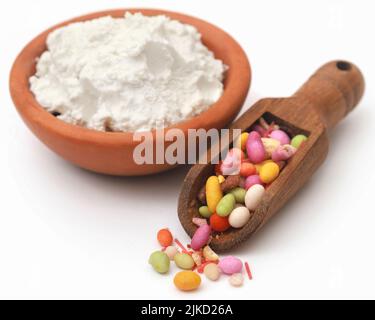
326,98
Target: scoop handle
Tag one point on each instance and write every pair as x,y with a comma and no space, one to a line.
333,90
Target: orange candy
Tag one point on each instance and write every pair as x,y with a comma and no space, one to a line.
165,238
219,224
247,169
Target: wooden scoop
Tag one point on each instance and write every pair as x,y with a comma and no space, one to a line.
326,98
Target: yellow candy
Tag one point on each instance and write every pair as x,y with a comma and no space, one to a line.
260,165
243,140
221,179
270,145
269,172
213,192
187,280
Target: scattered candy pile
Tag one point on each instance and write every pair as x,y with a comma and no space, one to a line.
229,198
198,259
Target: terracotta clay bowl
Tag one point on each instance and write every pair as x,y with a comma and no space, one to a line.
112,152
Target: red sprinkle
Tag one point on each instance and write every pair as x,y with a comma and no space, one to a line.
200,269
180,245
248,271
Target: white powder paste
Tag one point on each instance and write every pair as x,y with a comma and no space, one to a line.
127,74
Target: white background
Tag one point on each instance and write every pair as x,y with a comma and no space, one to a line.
68,233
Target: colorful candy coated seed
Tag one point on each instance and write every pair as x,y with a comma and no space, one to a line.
283,153
184,261
209,254
171,251
240,142
226,205
233,156
239,217
236,279
255,148
213,192
253,196
205,212
221,179
239,194
260,165
298,140
187,280
262,131
159,261
255,161
232,162
252,180
243,140
212,271
247,169
280,135
199,222
201,237
219,224
230,265
270,145
269,172
230,183
165,237
197,258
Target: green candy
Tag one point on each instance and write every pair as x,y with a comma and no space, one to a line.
298,140
184,261
159,261
239,194
226,205
205,212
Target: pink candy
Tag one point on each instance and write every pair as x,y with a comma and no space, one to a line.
283,153
281,136
255,148
251,180
230,265
232,162
258,128
199,222
201,237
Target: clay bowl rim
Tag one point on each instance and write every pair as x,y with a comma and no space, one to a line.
237,84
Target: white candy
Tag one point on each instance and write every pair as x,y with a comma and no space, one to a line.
171,251
239,217
270,145
236,280
212,271
253,196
